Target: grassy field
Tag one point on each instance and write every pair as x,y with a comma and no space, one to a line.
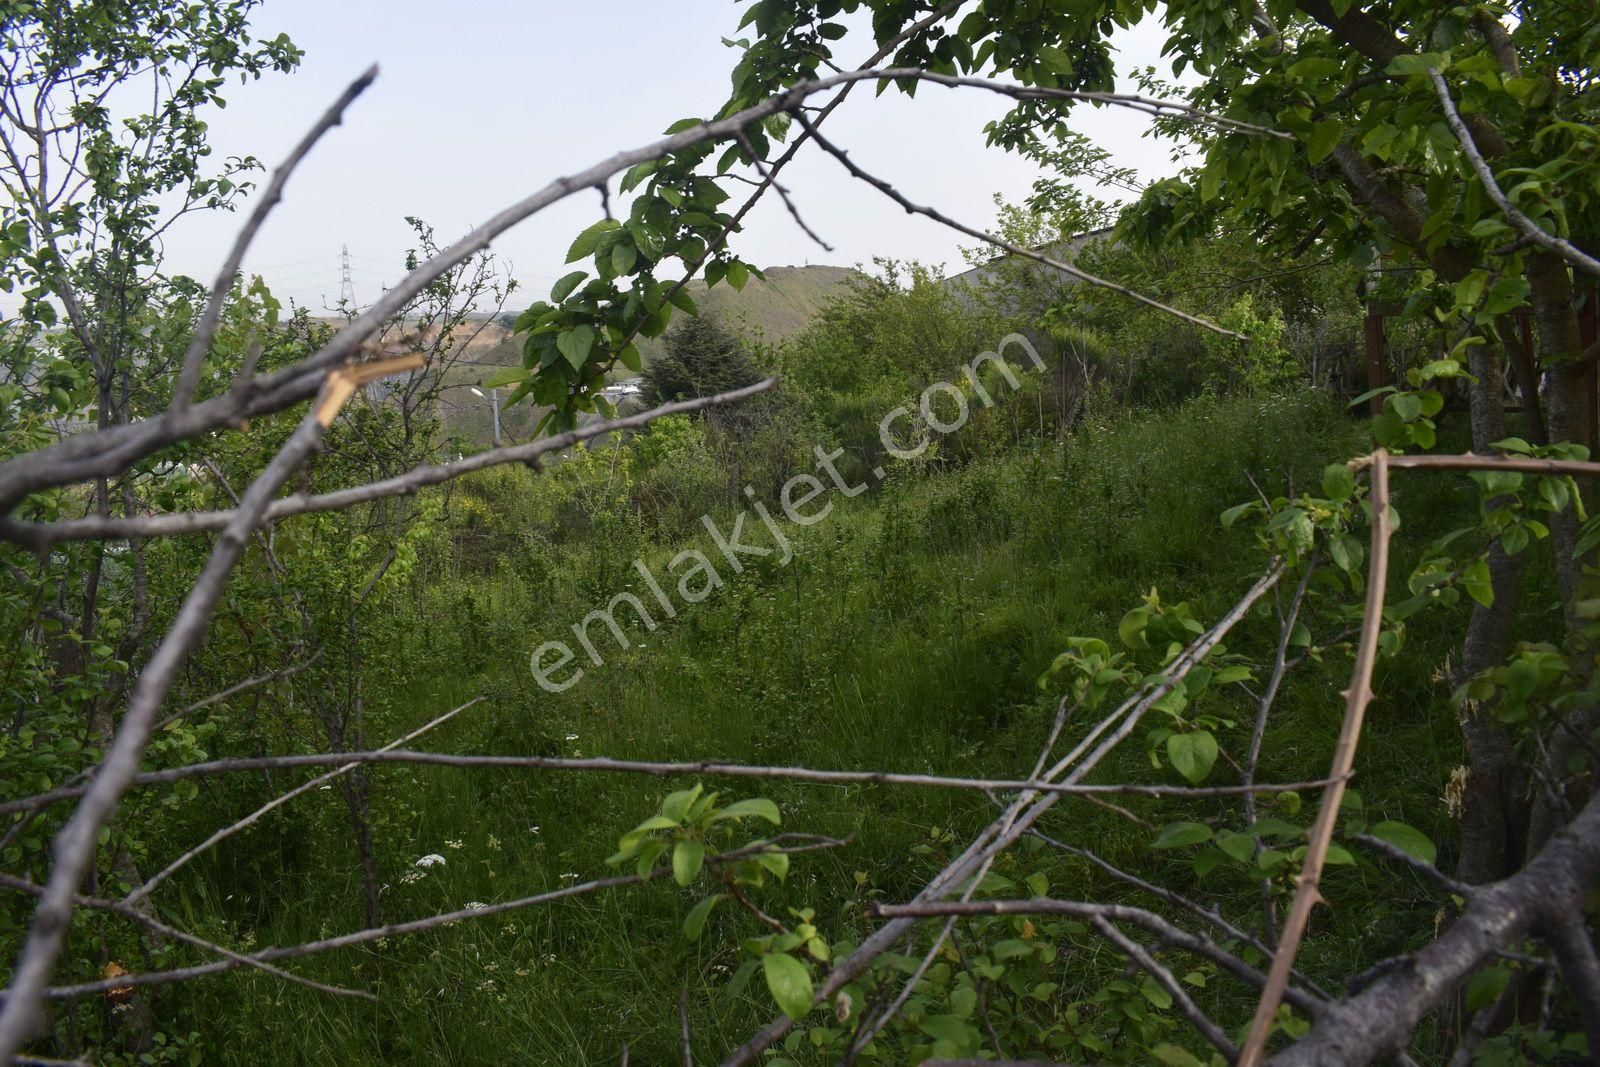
908,633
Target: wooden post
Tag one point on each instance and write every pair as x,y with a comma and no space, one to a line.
1377,363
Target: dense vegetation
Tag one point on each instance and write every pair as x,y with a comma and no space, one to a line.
1033,497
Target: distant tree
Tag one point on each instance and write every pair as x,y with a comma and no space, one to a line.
702,358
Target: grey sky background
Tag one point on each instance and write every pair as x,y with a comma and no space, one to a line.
480,102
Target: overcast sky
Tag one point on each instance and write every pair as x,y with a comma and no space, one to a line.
481,101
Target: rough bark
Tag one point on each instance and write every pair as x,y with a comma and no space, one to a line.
1494,813
1379,1020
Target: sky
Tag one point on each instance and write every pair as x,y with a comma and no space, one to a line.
482,101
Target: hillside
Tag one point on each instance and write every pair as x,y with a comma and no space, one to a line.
765,311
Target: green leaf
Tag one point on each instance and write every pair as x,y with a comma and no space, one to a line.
676,805
1178,834
1192,754
789,982
505,376
738,274
589,239
1155,994
630,358
687,858
575,345
649,852
1325,137
951,1028
695,921
1231,516
1406,405
775,862
744,809
623,258
741,978
1406,838
1173,1056
1485,986
1338,482
1476,580
563,288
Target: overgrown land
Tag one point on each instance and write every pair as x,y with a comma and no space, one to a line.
987,679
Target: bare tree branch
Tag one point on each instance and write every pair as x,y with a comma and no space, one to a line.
206,328
127,911
1195,944
663,769
1186,1006
1357,697
106,527
140,892
1019,816
1379,1019
1525,226
1017,250
789,843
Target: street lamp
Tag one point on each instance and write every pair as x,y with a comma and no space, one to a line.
494,399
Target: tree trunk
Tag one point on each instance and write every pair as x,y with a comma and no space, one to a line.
1494,811
1567,415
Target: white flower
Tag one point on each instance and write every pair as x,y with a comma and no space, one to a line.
432,859
456,844
476,905
572,737
569,876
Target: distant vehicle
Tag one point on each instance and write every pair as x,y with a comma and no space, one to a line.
623,389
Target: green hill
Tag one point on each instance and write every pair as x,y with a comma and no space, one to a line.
765,311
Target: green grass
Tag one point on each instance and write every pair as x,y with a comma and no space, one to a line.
907,634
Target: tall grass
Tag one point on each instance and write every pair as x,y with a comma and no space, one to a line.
908,633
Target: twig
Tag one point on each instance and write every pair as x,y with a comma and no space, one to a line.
140,892
1197,1018
1421,866
240,687
806,843
74,846
1526,226
95,527
127,911
683,1026
1177,900
1264,704
1176,936
783,193
664,769
206,328
1015,249
1357,697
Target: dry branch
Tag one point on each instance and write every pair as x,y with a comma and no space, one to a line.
780,843
109,451
106,527
1357,697
1019,816
1525,226
663,769
1015,249
206,328
142,891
